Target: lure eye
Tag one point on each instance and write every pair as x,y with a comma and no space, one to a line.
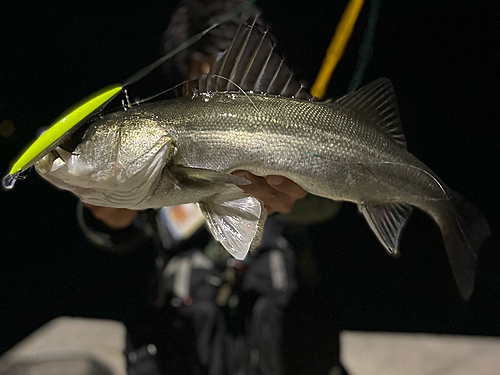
58,132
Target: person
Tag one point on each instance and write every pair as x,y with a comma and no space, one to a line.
207,312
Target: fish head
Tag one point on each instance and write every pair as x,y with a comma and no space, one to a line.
117,162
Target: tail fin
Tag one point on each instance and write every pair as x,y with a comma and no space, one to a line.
464,231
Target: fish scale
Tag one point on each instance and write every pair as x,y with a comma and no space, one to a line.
334,150
179,151
277,140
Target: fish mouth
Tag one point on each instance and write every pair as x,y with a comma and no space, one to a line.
119,186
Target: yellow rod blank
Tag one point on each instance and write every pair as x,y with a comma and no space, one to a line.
337,46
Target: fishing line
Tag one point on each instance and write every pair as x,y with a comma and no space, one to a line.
161,93
148,69
447,199
230,81
365,51
465,240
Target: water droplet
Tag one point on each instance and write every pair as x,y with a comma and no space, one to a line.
9,181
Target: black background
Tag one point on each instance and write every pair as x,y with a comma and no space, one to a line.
439,56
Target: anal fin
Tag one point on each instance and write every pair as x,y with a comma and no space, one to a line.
387,221
236,220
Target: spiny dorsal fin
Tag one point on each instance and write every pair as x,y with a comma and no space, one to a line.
251,63
376,105
387,221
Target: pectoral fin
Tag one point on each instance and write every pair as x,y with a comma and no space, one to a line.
207,176
387,221
236,220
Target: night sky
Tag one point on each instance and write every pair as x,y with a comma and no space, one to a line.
439,57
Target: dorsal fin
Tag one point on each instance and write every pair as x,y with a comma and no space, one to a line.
251,63
376,105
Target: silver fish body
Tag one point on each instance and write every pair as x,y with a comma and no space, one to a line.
352,149
327,148
318,145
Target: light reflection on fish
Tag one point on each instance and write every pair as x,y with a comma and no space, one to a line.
250,114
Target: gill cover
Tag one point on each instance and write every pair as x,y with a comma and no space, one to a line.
58,132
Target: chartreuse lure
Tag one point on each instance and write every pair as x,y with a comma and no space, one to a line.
58,132
74,118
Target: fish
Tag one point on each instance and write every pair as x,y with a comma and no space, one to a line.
251,113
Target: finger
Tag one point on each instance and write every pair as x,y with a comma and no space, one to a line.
114,218
258,185
97,211
274,201
285,185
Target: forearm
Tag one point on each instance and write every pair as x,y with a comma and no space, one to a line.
136,234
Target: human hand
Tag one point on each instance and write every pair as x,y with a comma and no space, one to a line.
277,192
113,218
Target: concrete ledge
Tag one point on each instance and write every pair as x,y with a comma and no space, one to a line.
373,353
69,346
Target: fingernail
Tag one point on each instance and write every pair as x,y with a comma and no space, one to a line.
241,174
274,180
244,175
